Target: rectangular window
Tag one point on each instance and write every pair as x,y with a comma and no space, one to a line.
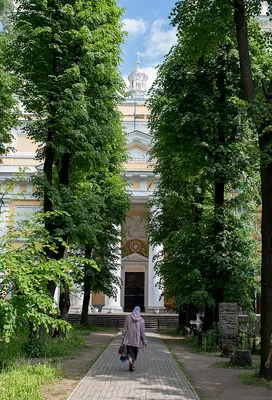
23,213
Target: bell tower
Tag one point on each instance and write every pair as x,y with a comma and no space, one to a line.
137,80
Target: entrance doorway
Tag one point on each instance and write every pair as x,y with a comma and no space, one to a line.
134,290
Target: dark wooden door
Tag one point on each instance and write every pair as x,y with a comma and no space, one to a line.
134,290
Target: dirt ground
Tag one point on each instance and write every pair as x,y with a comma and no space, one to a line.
212,383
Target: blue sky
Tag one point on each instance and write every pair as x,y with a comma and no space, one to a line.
149,31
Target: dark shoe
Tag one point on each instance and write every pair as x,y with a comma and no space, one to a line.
130,368
133,368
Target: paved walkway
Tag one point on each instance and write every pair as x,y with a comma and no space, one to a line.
157,376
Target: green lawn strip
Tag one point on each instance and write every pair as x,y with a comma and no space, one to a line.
252,378
227,364
23,381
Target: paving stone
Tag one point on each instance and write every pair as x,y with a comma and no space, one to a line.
156,376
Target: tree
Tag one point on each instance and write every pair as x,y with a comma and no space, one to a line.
107,247
98,208
25,270
201,147
67,55
219,16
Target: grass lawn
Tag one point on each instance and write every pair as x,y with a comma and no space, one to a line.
22,375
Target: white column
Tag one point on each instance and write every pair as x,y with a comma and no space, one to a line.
76,299
4,219
112,305
57,295
155,302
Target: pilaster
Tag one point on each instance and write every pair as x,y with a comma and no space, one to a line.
155,299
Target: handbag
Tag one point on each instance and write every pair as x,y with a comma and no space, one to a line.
122,349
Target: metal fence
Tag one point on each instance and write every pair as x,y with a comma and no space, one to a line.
211,342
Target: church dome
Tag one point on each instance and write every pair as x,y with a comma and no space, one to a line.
137,80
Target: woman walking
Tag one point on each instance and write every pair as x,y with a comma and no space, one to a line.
134,336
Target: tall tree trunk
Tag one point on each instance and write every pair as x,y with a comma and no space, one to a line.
266,274
266,181
47,202
87,289
64,303
217,291
209,318
265,143
244,57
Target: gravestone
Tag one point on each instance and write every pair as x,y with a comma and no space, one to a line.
228,326
198,322
241,358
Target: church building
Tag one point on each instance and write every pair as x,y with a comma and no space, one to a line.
136,263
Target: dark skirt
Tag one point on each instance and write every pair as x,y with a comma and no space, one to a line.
132,352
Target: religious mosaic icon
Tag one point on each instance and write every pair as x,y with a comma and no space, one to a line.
135,246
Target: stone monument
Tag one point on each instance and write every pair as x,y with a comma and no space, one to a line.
228,326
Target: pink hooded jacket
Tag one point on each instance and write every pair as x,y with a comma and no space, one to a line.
134,331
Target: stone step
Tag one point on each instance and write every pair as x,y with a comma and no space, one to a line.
117,320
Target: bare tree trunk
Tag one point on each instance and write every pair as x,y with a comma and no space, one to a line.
265,140
212,315
64,303
266,274
265,143
209,318
87,289
242,40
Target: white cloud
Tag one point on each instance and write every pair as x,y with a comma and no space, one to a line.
134,26
151,72
160,40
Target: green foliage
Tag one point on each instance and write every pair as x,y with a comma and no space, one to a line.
207,158
202,24
23,346
54,347
25,272
8,110
24,381
71,85
67,56
12,351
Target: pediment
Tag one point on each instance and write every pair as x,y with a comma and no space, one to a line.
138,155
139,138
134,257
